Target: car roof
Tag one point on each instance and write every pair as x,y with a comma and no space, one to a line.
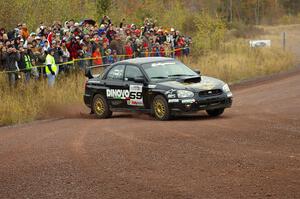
145,60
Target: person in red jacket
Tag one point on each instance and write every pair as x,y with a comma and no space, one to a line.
97,56
74,47
128,50
178,49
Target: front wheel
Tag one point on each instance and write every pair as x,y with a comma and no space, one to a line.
100,107
160,108
215,112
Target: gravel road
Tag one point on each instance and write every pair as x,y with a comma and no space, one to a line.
252,151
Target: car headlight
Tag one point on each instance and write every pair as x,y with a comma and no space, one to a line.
184,94
226,88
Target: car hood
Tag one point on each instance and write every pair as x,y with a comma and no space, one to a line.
206,83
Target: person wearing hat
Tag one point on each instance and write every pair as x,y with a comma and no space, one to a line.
51,69
109,57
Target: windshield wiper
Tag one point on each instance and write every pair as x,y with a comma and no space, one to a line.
179,75
159,77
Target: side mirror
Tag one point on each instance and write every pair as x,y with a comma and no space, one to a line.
88,73
139,80
197,71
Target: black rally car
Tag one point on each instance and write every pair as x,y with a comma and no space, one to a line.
157,85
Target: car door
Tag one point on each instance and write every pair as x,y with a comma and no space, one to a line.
136,90
116,93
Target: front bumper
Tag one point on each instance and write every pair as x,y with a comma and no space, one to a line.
197,104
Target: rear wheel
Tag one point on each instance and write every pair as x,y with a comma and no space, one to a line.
100,107
215,112
160,108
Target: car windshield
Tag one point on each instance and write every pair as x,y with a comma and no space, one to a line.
167,70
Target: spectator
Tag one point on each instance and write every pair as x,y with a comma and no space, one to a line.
74,47
51,68
111,32
115,56
103,42
117,45
167,49
24,31
26,63
128,50
81,62
65,57
58,53
97,56
10,57
109,57
65,52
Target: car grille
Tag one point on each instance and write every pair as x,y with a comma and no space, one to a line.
210,93
212,103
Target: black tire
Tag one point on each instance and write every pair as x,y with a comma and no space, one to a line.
100,107
160,108
215,112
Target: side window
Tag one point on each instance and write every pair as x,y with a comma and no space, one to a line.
132,72
116,73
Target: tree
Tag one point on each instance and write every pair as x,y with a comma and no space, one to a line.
292,7
103,7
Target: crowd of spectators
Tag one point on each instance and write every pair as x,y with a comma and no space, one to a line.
99,43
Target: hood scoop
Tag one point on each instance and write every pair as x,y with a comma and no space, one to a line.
190,80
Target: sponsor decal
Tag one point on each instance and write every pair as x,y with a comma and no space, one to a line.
173,100
171,96
117,93
151,86
134,95
162,64
188,101
171,93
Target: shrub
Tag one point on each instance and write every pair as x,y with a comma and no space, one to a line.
210,32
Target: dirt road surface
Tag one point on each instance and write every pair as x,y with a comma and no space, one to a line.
252,151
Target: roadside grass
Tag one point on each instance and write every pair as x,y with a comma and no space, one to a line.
234,62
274,33
28,102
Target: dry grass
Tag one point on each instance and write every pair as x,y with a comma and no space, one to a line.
32,101
236,62
274,33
